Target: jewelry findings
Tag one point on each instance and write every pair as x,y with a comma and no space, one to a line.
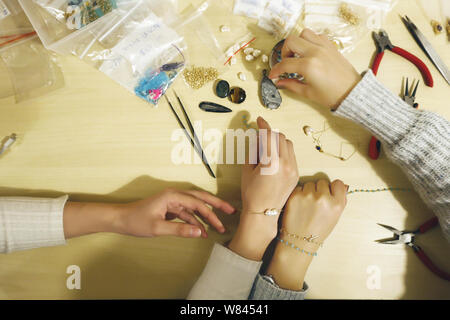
437,27
316,136
196,77
347,14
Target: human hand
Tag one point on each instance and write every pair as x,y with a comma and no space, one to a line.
265,185
151,217
312,210
329,77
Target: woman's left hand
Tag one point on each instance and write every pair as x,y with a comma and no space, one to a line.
151,217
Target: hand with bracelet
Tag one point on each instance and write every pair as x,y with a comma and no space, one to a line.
311,213
263,191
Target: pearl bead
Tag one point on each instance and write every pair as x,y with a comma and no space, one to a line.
308,130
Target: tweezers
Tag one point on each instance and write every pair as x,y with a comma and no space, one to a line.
194,139
426,47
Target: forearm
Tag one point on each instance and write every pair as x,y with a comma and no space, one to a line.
86,218
287,270
250,242
416,140
288,267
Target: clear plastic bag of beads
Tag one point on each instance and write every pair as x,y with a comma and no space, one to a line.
76,14
346,22
214,38
135,45
140,51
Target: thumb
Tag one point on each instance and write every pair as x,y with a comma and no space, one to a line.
178,229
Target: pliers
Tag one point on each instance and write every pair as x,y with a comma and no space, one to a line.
408,237
409,95
382,41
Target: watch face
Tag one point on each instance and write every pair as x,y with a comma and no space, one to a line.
269,278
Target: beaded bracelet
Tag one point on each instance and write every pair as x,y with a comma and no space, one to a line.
309,239
288,244
379,190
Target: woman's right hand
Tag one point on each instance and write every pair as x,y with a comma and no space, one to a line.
311,211
329,77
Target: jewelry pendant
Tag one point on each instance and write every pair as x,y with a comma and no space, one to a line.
270,95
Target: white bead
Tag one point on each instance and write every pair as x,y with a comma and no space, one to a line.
308,130
264,58
248,50
271,212
256,53
233,61
224,29
236,47
249,57
242,76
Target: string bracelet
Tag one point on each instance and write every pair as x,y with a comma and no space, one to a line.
293,246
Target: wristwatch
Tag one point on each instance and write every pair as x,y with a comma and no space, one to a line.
269,278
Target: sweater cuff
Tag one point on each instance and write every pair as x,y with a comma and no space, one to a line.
28,223
227,275
265,290
376,108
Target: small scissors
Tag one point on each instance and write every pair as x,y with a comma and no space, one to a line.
408,237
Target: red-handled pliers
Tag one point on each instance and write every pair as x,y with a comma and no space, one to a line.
382,41
406,237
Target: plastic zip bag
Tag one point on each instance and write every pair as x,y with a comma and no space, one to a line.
249,8
32,70
345,21
277,17
146,59
131,44
77,13
280,17
208,46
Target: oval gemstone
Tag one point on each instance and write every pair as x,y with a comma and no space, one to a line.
237,95
222,89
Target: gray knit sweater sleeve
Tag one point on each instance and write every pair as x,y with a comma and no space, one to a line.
416,140
264,290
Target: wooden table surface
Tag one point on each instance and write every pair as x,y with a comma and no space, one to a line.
95,141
